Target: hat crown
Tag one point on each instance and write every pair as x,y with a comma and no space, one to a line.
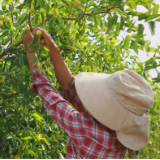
132,91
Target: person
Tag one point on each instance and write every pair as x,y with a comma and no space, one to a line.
111,111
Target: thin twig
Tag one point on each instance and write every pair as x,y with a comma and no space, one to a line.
12,13
29,18
61,7
4,65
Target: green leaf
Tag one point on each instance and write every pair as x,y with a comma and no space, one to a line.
142,16
37,117
33,59
140,29
34,42
79,16
122,22
66,2
4,34
34,50
27,138
152,17
22,20
132,4
32,153
152,27
155,9
127,40
43,19
39,68
153,112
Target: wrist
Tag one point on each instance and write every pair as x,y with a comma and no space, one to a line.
54,49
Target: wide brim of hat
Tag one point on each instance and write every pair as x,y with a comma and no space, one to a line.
95,95
135,132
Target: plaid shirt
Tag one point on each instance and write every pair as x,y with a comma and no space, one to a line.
87,137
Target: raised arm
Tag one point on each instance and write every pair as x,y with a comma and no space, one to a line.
27,39
62,72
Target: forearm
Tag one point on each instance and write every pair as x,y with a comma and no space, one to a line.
27,39
29,57
63,74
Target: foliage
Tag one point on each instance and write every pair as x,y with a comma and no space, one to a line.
88,40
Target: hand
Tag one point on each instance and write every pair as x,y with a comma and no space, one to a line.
27,39
48,41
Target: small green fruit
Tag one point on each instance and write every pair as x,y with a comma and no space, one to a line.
6,19
1,23
1,17
32,10
47,63
76,3
42,41
2,78
39,33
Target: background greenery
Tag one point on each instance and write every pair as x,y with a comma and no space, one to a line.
87,38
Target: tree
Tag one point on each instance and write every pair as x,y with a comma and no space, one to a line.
87,38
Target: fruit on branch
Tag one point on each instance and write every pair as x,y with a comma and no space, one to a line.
14,91
1,23
2,78
1,17
42,41
32,10
39,33
65,6
6,19
47,63
76,3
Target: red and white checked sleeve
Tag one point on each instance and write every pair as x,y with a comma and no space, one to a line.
71,121
72,96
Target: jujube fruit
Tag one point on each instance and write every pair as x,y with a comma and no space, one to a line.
76,3
1,23
6,19
47,63
1,17
2,78
39,33
42,40
32,10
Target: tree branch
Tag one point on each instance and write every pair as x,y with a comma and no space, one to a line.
70,18
12,13
8,49
29,19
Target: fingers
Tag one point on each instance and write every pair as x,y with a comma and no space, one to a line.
44,32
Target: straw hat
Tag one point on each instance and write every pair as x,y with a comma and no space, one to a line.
121,101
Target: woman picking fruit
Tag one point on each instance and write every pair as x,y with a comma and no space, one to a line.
112,109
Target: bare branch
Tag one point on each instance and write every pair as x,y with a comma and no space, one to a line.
70,18
4,66
61,7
